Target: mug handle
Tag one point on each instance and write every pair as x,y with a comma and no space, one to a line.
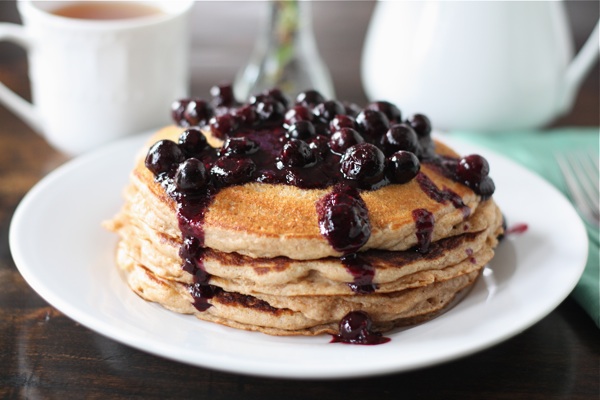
22,108
579,67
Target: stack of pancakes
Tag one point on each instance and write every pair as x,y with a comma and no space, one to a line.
275,271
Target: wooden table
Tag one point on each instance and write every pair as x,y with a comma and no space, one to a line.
44,354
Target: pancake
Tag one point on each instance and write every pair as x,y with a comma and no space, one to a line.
240,218
313,315
262,231
160,254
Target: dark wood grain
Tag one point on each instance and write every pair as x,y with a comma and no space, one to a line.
45,355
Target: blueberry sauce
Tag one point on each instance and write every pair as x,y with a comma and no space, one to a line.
191,209
356,328
362,272
311,143
344,219
344,222
517,228
201,292
442,195
472,171
424,223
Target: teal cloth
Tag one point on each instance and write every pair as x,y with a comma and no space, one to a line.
535,150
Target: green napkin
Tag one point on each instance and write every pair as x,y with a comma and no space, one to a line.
535,150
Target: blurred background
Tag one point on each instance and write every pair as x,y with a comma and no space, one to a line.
224,33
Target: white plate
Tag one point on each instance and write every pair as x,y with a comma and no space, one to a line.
64,254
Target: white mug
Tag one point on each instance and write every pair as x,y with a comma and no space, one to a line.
484,66
93,81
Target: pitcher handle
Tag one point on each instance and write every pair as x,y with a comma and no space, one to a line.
22,108
580,66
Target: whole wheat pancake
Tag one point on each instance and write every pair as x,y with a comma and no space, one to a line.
311,315
281,275
240,218
304,219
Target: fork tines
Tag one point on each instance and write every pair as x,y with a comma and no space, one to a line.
581,175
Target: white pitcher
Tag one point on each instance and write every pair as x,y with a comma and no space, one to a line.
486,66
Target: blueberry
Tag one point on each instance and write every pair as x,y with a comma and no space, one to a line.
472,169
222,95
344,138
191,176
223,125
320,145
344,219
269,109
297,113
192,142
232,170
197,112
278,95
363,163
351,109
163,156
373,124
257,98
421,124
321,128
390,110
402,166
342,121
309,98
239,146
355,327
177,110
297,153
245,116
486,188
301,130
327,110
400,137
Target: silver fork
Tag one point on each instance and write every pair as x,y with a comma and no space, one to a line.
581,174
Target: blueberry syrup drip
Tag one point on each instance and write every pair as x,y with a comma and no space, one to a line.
424,220
190,216
362,271
356,328
424,223
191,209
201,293
442,195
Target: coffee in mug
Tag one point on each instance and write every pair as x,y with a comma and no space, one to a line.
106,10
